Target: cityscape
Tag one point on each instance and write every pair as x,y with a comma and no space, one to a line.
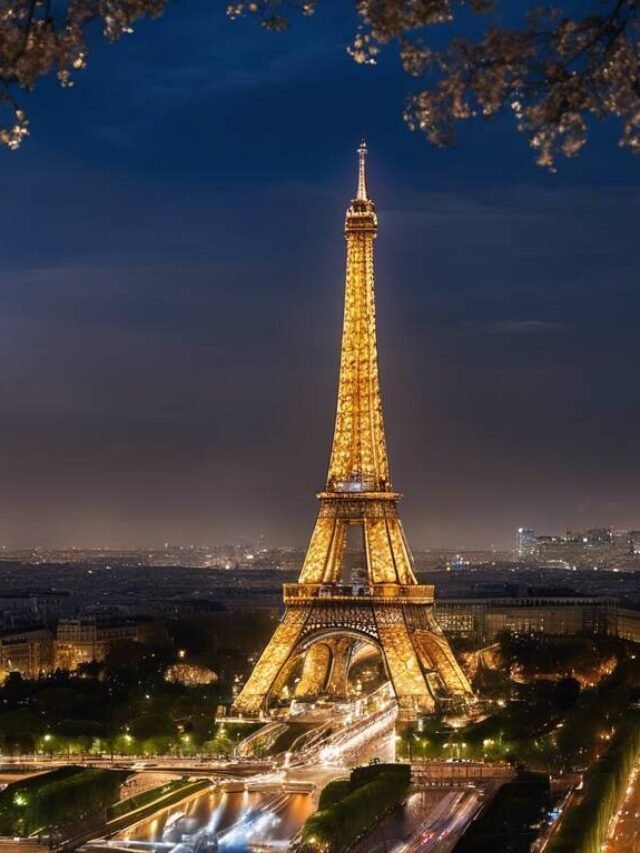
319,518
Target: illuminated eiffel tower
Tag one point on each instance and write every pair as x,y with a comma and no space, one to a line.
337,607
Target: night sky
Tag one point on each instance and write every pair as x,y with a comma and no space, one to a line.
171,283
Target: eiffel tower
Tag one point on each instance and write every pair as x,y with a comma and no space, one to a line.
336,608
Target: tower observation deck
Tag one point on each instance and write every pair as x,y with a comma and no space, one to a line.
334,608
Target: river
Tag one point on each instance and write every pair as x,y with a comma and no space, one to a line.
237,819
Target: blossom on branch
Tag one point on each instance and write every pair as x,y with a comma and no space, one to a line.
41,37
553,69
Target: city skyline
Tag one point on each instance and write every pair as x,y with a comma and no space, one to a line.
164,340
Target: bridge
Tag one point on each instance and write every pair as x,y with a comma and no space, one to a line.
350,736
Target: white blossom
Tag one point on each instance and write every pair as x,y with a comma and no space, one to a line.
42,37
561,67
554,72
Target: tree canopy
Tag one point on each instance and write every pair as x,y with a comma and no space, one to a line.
553,68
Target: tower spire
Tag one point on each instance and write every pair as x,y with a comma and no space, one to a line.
362,171
359,454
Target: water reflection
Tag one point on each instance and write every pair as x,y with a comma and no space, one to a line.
225,821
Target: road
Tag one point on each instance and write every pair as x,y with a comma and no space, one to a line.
461,772
145,781
624,832
445,824
18,776
366,738
158,764
431,821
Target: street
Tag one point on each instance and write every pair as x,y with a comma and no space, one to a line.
624,832
446,823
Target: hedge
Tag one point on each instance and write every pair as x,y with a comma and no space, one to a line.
185,786
333,793
57,798
348,809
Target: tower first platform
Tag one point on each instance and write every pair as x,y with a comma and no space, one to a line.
335,607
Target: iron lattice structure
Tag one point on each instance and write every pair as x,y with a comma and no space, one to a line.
330,613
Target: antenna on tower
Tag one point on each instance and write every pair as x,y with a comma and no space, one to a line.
362,175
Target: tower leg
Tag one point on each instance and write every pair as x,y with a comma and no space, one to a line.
403,666
254,695
342,651
317,663
284,675
435,654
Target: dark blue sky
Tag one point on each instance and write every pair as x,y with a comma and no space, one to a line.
170,300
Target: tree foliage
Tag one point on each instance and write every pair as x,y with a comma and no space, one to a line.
20,728
57,798
553,68
585,825
41,37
348,809
125,706
539,654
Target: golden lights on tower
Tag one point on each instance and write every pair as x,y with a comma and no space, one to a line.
329,612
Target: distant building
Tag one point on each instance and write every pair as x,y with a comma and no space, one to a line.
594,547
526,542
634,541
484,618
89,638
28,652
622,541
628,625
574,548
45,606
